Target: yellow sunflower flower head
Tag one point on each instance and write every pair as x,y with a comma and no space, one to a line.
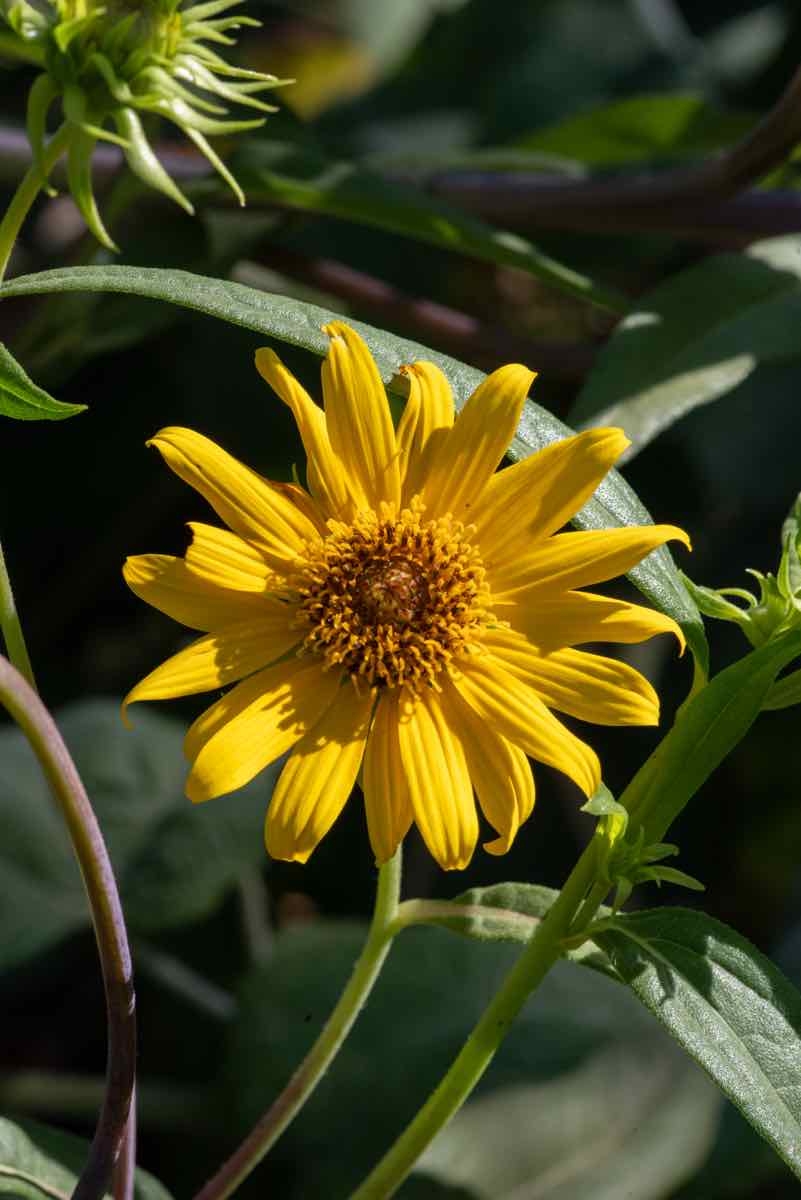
112,63
412,616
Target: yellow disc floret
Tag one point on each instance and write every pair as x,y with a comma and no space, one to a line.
392,600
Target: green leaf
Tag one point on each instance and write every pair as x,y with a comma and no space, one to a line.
612,1127
581,1051
694,338
784,693
300,324
640,129
174,861
39,1163
726,1004
21,398
281,173
707,728
503,912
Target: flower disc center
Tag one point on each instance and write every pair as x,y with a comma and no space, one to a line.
391,591
392,601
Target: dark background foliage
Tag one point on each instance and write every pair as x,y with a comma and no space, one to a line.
229,972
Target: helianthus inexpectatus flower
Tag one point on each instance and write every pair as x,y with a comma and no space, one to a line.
411,620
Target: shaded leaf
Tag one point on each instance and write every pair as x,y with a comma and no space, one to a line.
631,1120
726,1004
39,1163
22,399
300,324
503,912
579,1032
279,172
695,338
174,861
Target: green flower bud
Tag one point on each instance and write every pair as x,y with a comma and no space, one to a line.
777,608
111,63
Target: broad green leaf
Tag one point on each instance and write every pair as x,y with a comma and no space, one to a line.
726,1004
39,1163
707,728
174,861
640,129
630,1121
281,173
694,338
580,1039
503,912
300,324
22,399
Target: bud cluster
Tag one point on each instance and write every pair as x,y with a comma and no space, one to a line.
111,64
776,610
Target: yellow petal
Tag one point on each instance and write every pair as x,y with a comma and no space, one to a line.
518,714
304,503
386,792
255,723
588,686
573,560
500,773
167,584
245,501
424,423
223,559
465,459
535,497
439,783
318,778
324,471
219,658
358,418
572,618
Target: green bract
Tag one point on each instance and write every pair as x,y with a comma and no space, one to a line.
777,609
110,63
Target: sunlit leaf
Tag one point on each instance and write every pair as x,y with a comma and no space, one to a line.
300,324
695,338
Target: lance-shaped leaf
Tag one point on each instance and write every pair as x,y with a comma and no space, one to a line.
21,398
706,731
615,503
729,1007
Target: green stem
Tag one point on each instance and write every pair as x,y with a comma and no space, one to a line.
11,626
270,1127
475,1056
12,46
33,180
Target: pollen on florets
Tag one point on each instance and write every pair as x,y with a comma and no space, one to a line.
392,599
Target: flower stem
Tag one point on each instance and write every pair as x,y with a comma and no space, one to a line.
284,1108
11,627
475,1056
28,190
26,709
